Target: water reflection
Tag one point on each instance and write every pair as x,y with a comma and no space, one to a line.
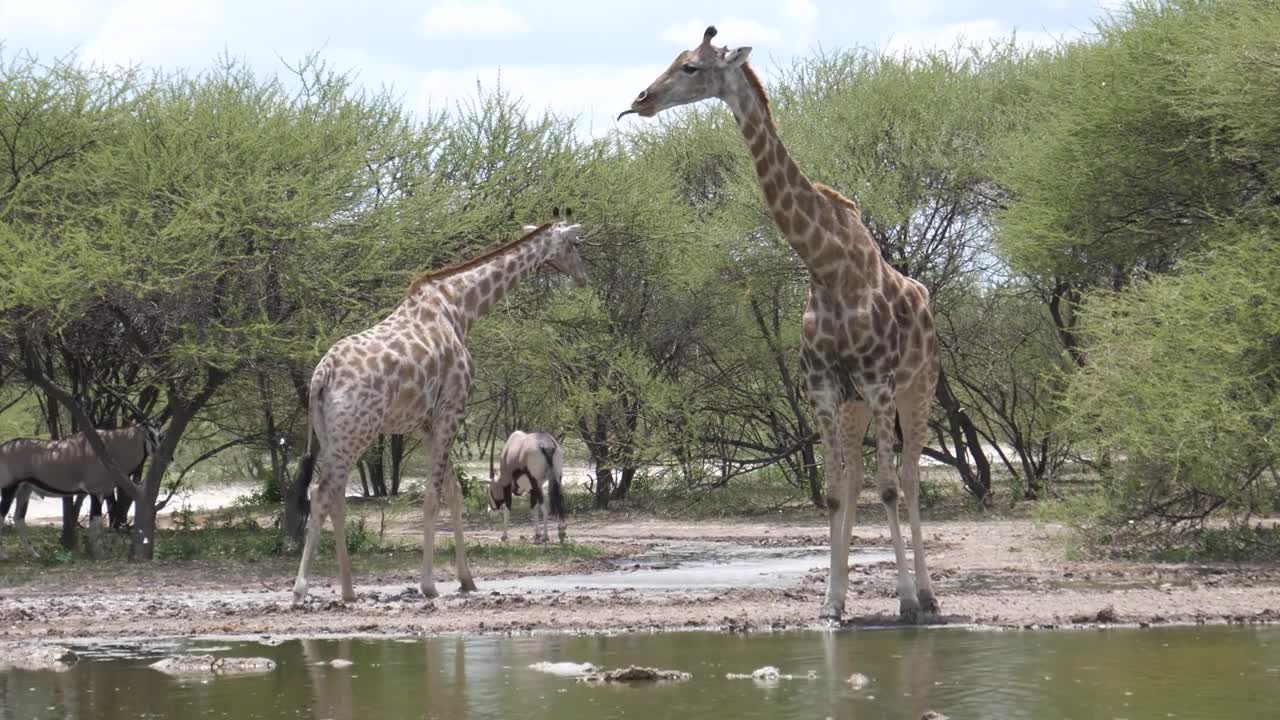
1191,672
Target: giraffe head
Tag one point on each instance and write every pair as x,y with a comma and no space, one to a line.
703,72
564,238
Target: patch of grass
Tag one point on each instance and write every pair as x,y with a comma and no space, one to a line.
1231,544
246,543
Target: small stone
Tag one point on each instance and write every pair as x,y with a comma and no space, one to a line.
858,681
634,674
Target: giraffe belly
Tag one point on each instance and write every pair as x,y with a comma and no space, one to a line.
409,409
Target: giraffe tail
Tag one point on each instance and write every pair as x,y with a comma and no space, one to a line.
307,463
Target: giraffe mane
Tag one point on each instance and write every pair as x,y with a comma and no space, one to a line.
432,275
836,197
827,191
754,81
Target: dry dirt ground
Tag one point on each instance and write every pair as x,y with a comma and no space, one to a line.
1010,573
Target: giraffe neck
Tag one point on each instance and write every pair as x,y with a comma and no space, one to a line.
474,291
794,202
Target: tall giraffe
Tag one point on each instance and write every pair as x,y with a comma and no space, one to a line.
869,350
411,373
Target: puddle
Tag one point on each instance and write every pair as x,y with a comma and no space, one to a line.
695,565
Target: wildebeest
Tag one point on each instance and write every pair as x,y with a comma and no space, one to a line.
69,467
529,459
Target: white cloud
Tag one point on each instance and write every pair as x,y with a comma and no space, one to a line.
912,12
57,16
967,34
802,12
733,31
453,17
153,31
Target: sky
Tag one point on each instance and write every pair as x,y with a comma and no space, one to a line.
583,58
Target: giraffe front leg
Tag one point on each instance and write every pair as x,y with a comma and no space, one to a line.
885,414
913,413
825,408
427,583
505,513
443,429
465,581
854,420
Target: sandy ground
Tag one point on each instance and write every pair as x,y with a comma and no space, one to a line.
1000,573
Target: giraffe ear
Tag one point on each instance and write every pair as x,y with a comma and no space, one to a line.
737,56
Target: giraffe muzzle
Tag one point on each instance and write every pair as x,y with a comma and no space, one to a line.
635,105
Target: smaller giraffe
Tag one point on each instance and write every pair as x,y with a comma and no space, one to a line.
411,373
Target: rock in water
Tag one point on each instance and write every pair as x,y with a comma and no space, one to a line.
933,715
564,669
635,674
858,681
23,656
210,665
341,663
770,674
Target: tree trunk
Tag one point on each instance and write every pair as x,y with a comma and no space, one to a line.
1063,300
598,447
624,483
964,436
816,494
364,477
604,484
397,460
71,521
377,469
279,474
142,544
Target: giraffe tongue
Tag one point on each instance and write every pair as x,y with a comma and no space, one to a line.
624,113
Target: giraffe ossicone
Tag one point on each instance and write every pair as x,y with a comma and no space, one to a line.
412,373
869,349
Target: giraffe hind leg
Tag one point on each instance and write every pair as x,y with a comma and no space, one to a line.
339,516
319,511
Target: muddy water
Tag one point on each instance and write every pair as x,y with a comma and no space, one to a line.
696,565
1213,672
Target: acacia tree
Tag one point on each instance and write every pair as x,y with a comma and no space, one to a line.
226,220
1170,116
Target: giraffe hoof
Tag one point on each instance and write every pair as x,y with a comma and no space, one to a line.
466,585
909,612
429,590
831,611
928,603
